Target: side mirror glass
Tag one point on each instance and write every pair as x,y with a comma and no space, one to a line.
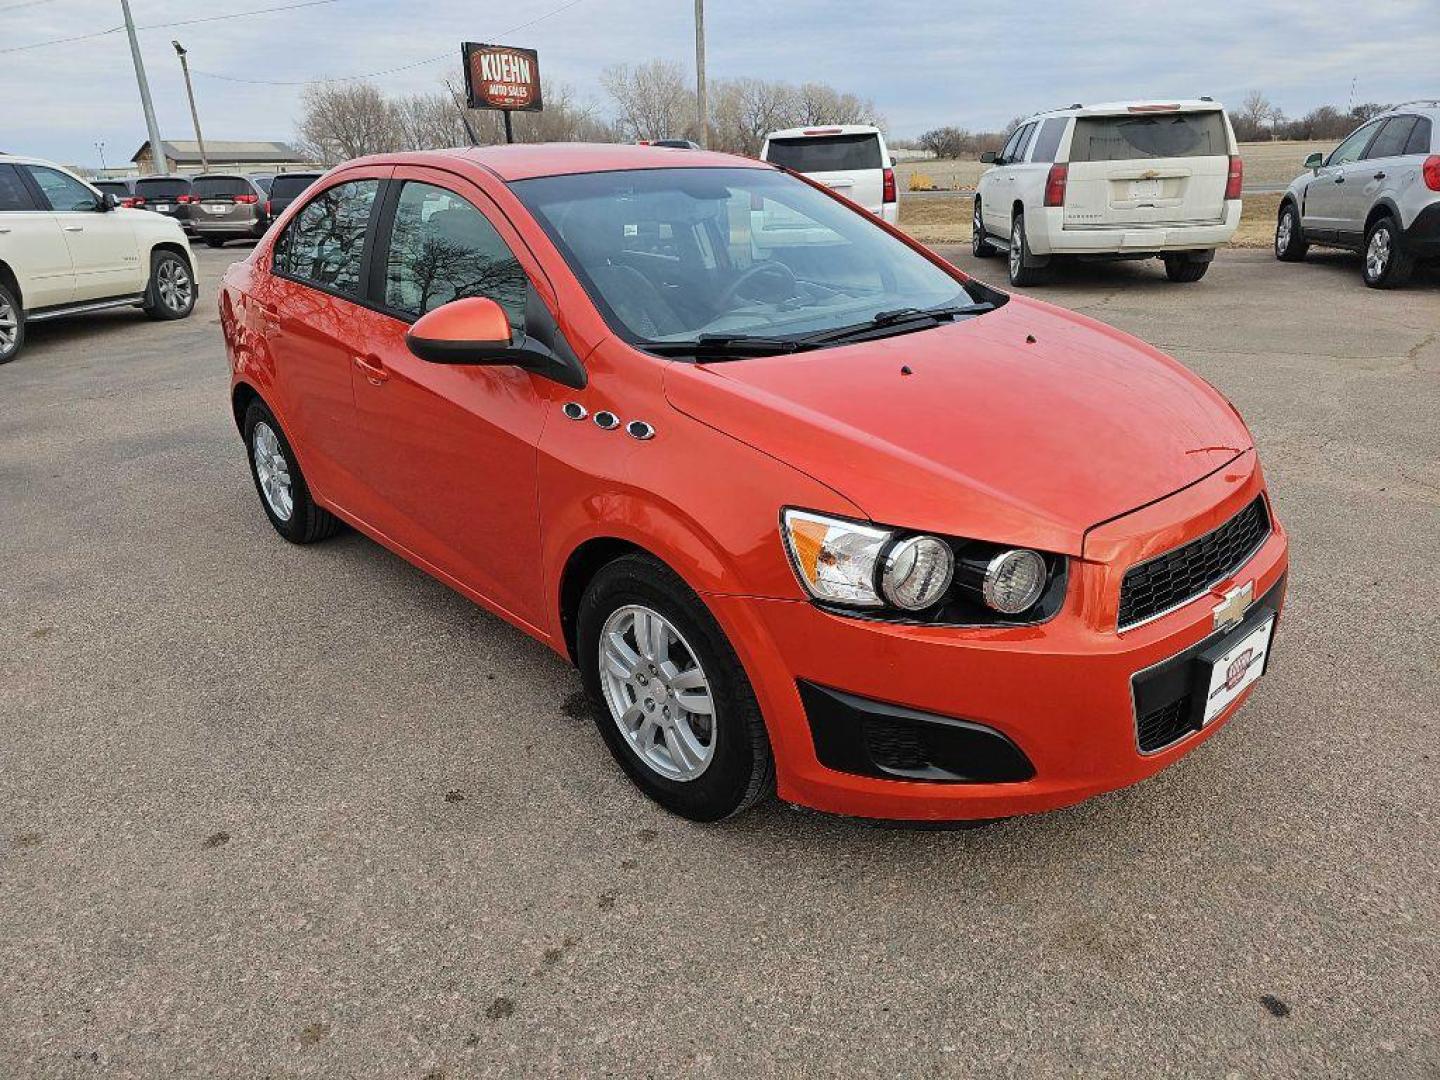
470,331
1314,161
989,157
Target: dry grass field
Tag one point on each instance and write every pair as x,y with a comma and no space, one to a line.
945,219
1266,164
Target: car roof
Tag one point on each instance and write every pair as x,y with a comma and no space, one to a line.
1423,106
814,130
1109,108
524,161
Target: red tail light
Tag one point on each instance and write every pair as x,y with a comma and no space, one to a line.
1055,184
248,200
128,202
268,211
187,199
1431,171
1235,178
888,192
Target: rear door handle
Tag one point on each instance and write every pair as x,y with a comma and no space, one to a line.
1339,179
1379,176
74,228
374,370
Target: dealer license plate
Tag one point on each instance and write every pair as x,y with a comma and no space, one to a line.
1144,189
163,206
1237,667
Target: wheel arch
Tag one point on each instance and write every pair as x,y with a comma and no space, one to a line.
12,280
1017,209
179,249
241,398
1384,208
587,560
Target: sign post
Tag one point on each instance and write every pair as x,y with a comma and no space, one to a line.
502,77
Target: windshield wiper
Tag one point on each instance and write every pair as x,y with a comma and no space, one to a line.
898,320
728,346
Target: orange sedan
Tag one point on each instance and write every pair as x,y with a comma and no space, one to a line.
812,511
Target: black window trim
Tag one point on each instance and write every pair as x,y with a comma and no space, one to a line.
1397,118
365,249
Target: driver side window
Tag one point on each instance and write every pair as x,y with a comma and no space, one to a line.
64,192
1007,155
1351,149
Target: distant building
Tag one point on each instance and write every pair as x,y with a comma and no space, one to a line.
184,156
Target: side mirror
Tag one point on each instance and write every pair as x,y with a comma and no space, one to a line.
476,331
1315,160
108,202
989,157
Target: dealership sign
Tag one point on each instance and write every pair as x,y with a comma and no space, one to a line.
501,77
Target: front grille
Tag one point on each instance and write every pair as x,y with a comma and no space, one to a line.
1169,580
1158,729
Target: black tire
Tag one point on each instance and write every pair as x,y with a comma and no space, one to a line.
1179,268
1290,243
171,291
1395,265
742,770
980,247
308,521
214,242
1020,273
11,311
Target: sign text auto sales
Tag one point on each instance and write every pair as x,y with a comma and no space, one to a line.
502,77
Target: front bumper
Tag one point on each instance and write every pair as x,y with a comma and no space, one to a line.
1055,239
1060,692
210,227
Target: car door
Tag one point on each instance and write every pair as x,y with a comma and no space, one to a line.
309,307
1382,170
1027,178
104,250
998,195
32,244
1321,212
450,450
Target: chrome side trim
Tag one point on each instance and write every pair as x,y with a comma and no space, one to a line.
81,309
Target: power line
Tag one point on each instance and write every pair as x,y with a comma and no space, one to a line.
25,4
164,25
447,55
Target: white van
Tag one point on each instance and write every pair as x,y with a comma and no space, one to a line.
852,159
1125,180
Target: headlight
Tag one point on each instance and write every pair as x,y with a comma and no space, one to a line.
918,572
835,559
1013,581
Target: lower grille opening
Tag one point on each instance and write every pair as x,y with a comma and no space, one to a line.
1158,729
895,746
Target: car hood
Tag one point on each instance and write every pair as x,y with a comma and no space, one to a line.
1027,425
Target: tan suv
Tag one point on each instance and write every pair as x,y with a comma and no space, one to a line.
227,206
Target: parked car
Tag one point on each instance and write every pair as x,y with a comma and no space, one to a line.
168,195
119,188
66,249
225,206
1378,193
844,522
1125,180
285,189
674,144
851,159
263,182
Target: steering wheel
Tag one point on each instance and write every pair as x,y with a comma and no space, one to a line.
759,270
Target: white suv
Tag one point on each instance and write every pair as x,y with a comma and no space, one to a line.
851,159
1127,180
66,249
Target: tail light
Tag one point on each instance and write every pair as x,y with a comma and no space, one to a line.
1235,177
248,200
1055,184
128,202
888,190
1431,171
269,211
187,199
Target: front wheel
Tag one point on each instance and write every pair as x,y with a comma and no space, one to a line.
171,292
12,325
1387,266
673,703
980,247
1178,268
1290,243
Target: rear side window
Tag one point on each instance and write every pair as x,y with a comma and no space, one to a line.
1026,133
162,189
287,187
443,249
14,195
826,153
1145,135
1047,143
1392,138
208,187
1007,152
323,244
64,192
1419,137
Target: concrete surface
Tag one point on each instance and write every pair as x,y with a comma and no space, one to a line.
282,812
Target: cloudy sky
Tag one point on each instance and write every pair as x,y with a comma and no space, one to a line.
924,64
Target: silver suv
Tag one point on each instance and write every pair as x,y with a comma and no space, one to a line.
1377,193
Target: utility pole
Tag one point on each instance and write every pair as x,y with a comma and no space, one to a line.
157,148
194,115
702,103
101,147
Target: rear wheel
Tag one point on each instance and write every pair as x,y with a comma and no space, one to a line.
283,491
1179,268
1020,273
1290,243
1386,263
12,324
674,705
980,247
171,292
214,242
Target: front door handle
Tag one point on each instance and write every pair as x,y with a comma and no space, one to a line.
1339,179
74,228
373,369
1379,176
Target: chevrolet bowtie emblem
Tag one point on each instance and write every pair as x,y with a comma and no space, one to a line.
1149,174
1231,610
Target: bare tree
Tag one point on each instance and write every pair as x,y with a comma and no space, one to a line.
948,142
654,99
820,103
346,120
746,110
1250,119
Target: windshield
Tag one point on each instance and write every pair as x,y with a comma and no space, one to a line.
1125,138
670,255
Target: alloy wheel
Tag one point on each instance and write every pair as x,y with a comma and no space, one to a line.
1283,233
657,692
1377,255
977,231
173,283
273,471
9,326
1017,240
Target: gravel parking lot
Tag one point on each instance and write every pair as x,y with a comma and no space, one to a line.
271,811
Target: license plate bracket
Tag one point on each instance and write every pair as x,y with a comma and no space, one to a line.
1144,189
1231,666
